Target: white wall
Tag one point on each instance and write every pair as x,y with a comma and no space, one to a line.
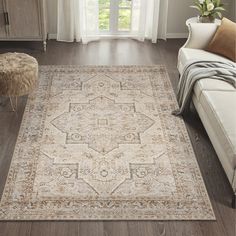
178,12
52,18
234,10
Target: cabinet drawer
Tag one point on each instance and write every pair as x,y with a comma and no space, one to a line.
24,19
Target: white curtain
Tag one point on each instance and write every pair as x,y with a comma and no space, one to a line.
68,25
78,20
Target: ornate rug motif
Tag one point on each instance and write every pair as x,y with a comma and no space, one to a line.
100,143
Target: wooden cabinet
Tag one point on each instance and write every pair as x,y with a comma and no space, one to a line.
3,33
23,20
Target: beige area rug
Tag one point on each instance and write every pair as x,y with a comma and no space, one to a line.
100,143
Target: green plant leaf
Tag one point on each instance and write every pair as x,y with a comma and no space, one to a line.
220,9
206,13
219,14
217,2
202,7
198,4
196,7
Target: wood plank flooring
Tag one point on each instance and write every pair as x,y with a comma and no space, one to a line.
119,52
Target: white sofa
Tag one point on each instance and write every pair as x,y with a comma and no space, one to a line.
214,100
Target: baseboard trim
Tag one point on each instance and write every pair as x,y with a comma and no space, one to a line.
52,36
176,35
169,35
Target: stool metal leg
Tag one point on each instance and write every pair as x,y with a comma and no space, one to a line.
13,104
16,102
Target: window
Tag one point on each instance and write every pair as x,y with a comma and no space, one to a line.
104,15
124,19
115,16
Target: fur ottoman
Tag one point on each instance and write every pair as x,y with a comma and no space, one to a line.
18,74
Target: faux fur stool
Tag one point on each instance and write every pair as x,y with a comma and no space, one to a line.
18,75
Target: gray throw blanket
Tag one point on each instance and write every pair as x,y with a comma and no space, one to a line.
196,70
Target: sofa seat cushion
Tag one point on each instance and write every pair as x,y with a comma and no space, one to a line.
211,85
187,54
220,109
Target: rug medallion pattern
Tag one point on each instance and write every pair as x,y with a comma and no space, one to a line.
100,143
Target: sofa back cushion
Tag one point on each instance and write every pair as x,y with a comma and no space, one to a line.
224,41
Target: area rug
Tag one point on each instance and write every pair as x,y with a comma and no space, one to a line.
100,143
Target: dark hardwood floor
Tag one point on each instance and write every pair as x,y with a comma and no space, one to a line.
119,52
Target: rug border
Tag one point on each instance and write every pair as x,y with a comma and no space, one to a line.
53,67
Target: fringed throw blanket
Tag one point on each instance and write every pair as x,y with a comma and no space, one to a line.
196,70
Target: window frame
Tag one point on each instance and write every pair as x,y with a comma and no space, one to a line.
114,8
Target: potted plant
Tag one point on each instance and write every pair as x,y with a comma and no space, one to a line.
209,10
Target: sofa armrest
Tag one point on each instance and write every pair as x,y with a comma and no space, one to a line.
200,34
